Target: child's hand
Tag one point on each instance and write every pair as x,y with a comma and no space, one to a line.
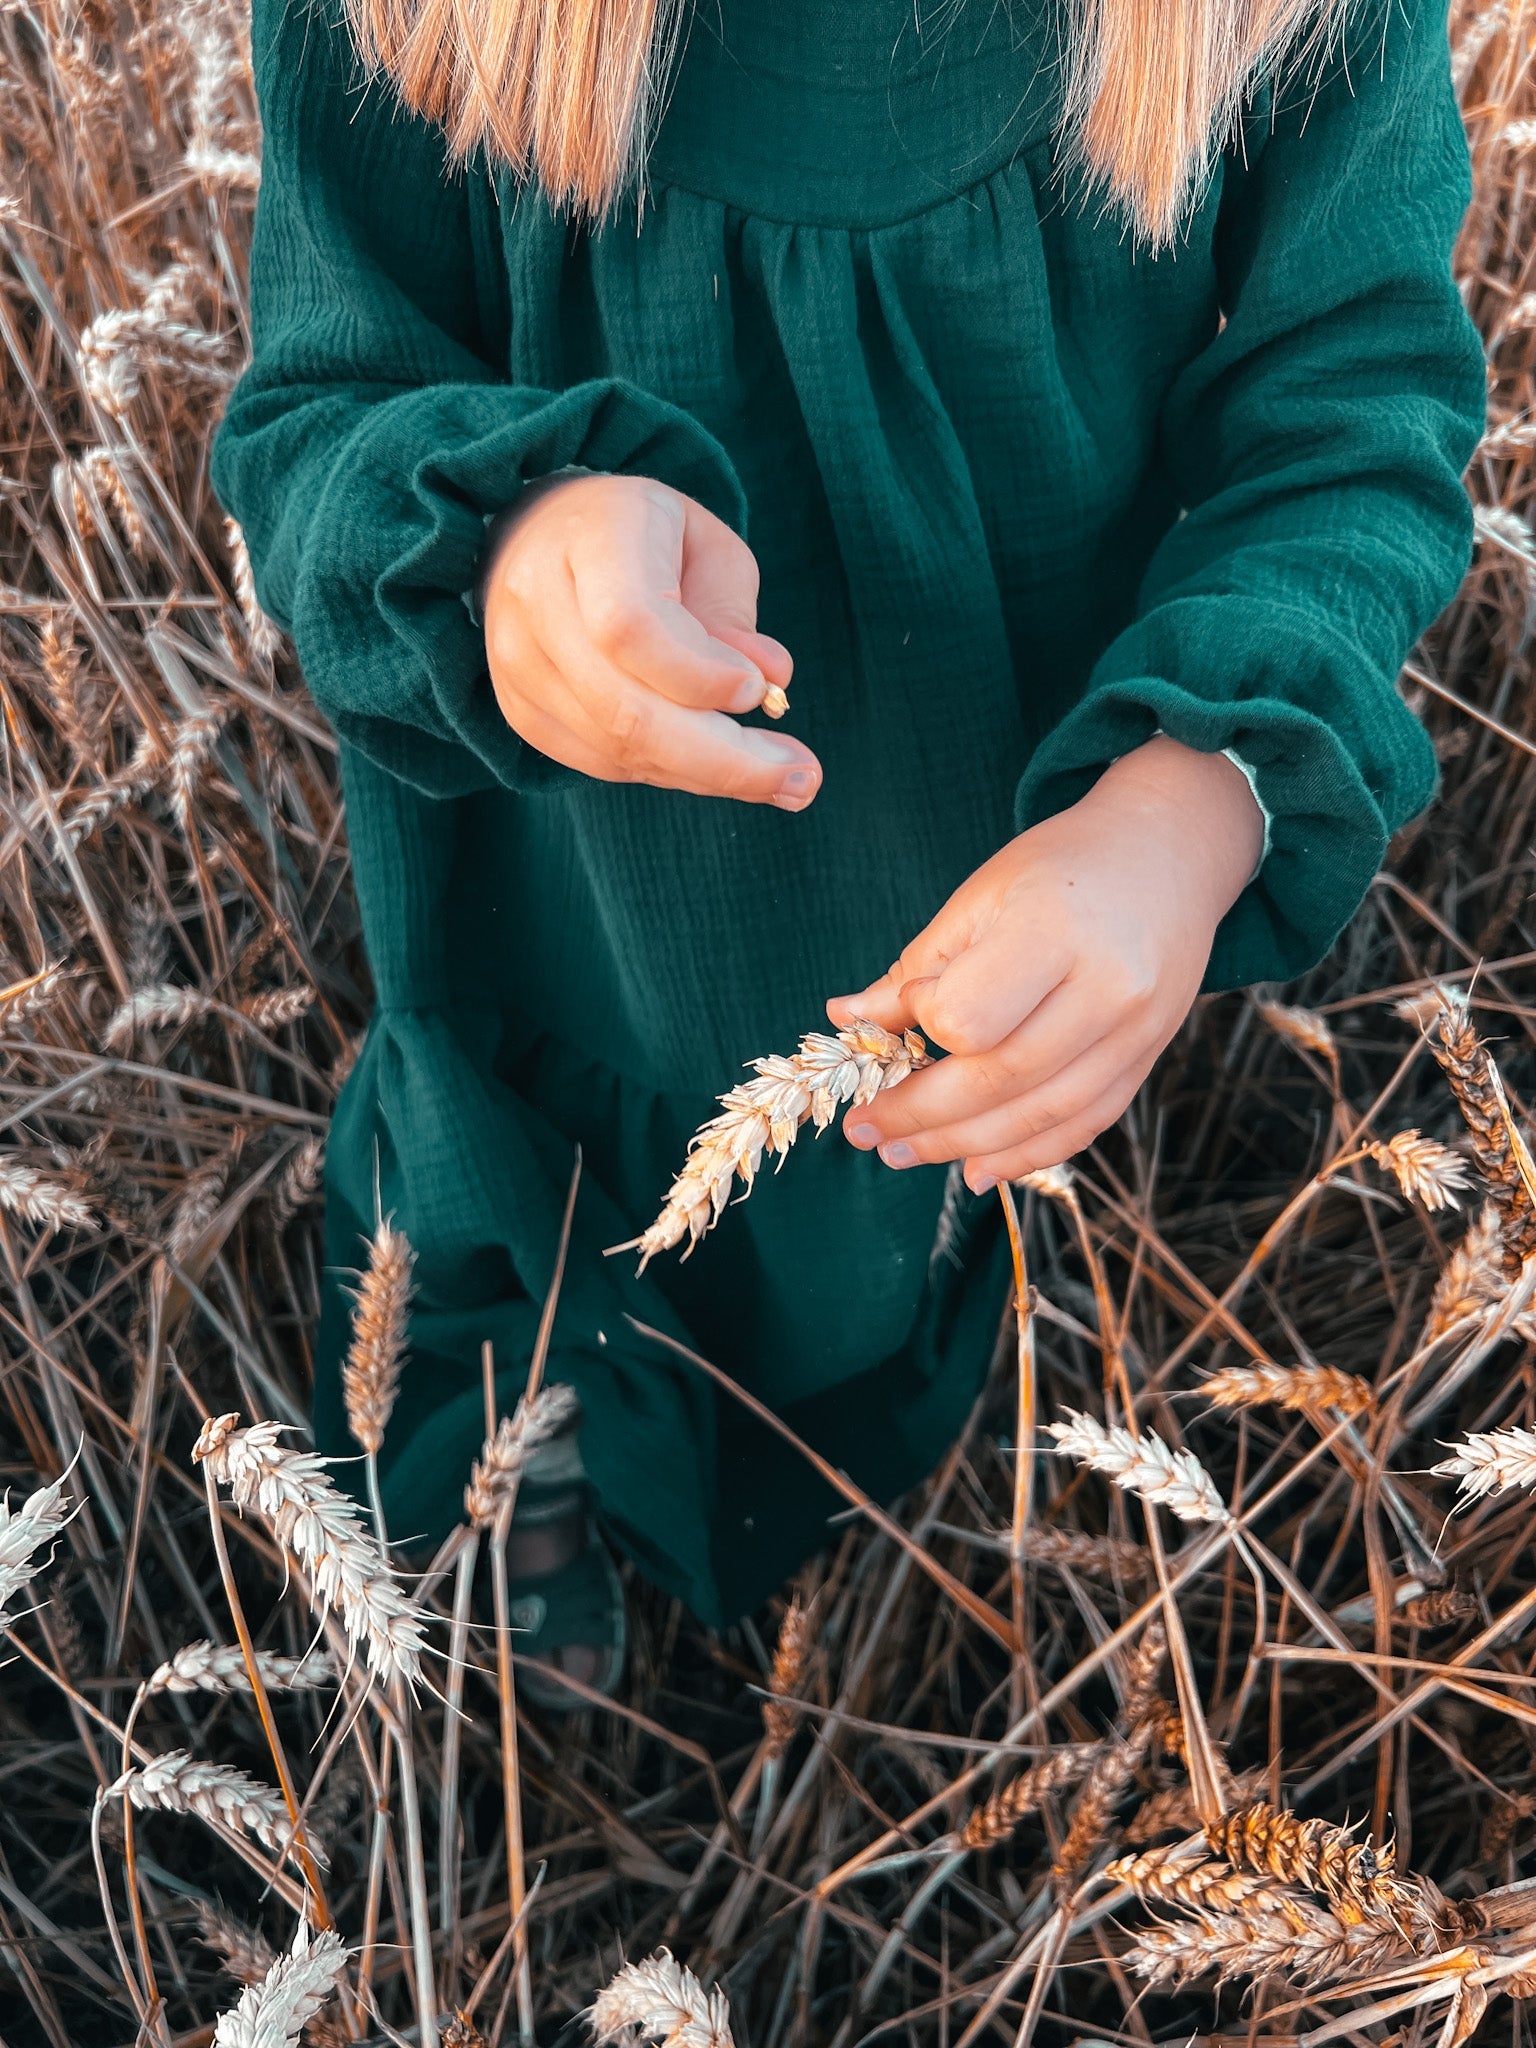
1056,974
620,627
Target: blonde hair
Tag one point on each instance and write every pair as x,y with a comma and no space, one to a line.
567,89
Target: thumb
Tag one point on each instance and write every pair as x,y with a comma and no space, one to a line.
896,1000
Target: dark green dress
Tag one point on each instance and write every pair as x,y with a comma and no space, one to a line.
1020,496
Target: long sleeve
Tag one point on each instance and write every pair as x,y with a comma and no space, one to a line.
374,430
1317,446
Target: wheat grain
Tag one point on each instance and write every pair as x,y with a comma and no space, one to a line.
1488,1461
1288,1386
370,1376
273,2013
661,2001
220,1667
461,2032
1426,1170
216,1793
495,1474
763,1117
1142,1465
324,1531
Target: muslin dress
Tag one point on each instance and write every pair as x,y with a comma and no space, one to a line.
1021,494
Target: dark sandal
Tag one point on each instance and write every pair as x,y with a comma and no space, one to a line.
580,1605
577,1604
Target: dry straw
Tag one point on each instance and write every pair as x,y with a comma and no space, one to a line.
763,1117
325,1532
660,2001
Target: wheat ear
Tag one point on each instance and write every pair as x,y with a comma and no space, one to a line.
370,1377
221,1667
494,1476
325,1532
659,2000
1357,1878
780,1711
1490,1460
763,1117
216,1793
273,2013
1424,1168
1497,1142
1143,1465
1288,1386
22,1535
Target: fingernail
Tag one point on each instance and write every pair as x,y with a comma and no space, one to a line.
862,1134
898,1154
749,692
797,782
983,1184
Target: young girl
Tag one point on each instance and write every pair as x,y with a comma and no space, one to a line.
1077,392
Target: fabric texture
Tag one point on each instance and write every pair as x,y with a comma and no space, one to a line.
1021,494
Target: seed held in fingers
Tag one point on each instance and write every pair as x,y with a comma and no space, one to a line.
775,700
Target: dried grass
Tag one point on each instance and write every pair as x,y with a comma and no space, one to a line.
182,994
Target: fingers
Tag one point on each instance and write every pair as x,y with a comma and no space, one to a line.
966,992
637,735
626,574
1057,1145
1017,1119
953,1107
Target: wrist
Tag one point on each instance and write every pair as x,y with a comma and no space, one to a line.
1201,805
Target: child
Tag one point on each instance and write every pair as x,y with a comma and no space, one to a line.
1079,395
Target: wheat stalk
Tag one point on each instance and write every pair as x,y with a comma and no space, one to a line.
1142,1465
370,1376
1288,1386
1488,1461
763,1117
325,1532
221,1667
216,1793
273,2013
660,2000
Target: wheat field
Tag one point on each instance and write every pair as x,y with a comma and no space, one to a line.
1213,1720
